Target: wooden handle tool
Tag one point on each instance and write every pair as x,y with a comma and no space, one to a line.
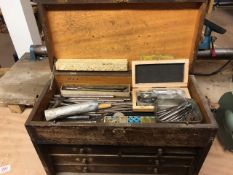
104,105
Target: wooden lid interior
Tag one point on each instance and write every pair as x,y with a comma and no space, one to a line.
116,31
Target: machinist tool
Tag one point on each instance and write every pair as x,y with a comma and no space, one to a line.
175,114
73,109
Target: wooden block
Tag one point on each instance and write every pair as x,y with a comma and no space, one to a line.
24,81
124,31
83,92
210,7
165,63
16,108
92,64
3,104
157,57
3,71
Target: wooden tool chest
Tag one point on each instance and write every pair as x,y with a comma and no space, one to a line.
119,29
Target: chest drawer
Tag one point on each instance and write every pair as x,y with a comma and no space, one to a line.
66,159
122,169
121,150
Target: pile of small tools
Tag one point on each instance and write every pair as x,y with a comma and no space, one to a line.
184,112
86,107
94,108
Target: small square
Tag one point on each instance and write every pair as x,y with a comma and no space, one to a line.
134,119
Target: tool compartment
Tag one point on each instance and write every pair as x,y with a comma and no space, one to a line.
70,132
186,140
116,30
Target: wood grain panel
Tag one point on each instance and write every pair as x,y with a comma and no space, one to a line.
16,148
97,79
123,31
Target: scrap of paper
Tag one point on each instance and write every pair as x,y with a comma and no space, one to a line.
5,169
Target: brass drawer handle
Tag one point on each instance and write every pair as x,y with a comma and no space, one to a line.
74,149
81,150
85,169
90,160
89,150
120,1
77,159
155,170
157,162
84,160
160,151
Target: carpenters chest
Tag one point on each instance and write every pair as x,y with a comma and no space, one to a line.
116,29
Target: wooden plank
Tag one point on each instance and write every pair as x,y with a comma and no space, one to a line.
16,148
16,108
97,135
49,2
218,161
210,7
23,83
198,31
98,78
3,71
48,40
81,91
91,65
122,31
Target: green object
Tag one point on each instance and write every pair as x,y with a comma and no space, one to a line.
224,118
229,121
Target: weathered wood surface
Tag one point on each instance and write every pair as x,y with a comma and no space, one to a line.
3,71
92,65
16,108
109,1
16,148
162,135
97,78
23,83
122,31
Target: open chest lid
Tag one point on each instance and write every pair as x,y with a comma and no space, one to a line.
128,29
160,73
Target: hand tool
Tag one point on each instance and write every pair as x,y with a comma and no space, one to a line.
95,88
73,109
78,117
84,96
175,114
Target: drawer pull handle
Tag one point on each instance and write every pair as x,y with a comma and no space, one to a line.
157,162
81,150
77,159
84,169
155,170
84,161
89,150
160,151
74,149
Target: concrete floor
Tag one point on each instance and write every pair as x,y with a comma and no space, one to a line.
224,18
